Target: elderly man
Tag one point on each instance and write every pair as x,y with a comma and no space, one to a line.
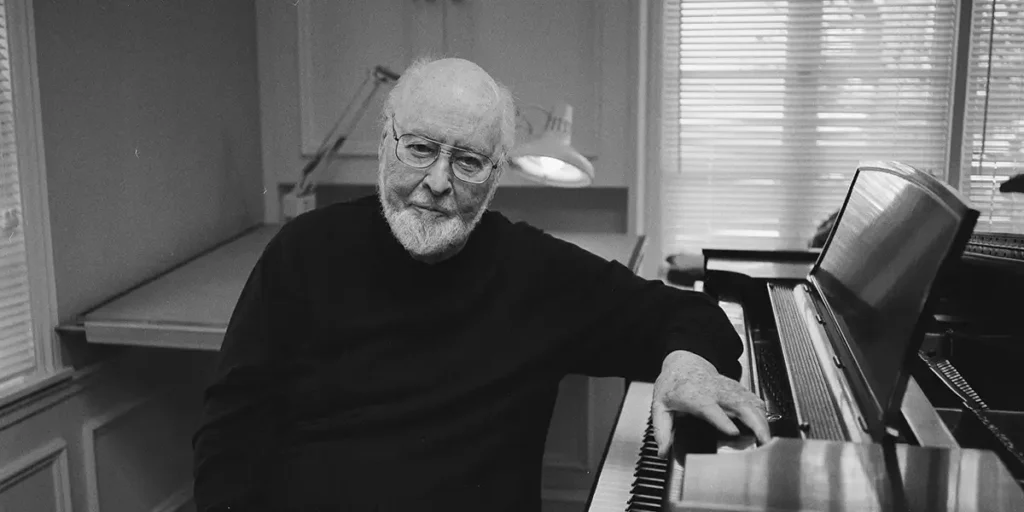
404,351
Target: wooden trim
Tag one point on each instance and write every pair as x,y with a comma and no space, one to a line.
32,180
89,432
178,500
305,64
958,103
640,107
651,152
599,55
47,392
142,334
32,390
53,456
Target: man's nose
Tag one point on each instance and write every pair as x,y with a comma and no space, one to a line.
438,179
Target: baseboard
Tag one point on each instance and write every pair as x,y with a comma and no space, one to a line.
177,501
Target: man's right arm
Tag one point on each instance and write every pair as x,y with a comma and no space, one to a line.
242,407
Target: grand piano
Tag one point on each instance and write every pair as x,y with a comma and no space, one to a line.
869,411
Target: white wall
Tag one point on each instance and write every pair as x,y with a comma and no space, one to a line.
151,124
151,132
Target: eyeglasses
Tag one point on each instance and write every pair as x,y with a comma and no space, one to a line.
421,152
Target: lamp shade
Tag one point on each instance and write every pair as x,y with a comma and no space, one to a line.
550,159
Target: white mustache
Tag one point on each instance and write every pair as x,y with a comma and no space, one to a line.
447,206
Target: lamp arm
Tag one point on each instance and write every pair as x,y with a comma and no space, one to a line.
339,133
519,115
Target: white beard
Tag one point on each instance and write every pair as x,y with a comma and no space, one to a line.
429,235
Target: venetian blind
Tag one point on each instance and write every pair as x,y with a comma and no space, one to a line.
994,119
769,106
17,346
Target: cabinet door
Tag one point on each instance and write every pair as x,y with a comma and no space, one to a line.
545,51
340,42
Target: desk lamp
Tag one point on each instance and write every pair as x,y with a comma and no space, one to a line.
550,159
302,197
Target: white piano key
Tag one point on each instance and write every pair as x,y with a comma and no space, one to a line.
611,493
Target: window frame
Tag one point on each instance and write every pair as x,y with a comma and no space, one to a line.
649,98
34,204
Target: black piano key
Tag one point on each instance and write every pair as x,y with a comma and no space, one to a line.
650,474
647,484
653,464
649,470
643,507
640,497
644,500
649,495
647,489
661,468
651,478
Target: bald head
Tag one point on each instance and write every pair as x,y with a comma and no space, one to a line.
451,95
432,208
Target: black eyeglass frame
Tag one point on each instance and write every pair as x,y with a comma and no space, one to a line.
442,147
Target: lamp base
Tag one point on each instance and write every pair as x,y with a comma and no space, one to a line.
293,205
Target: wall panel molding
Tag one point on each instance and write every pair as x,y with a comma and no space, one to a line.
90,431
52,456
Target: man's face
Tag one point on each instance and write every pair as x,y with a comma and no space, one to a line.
430,210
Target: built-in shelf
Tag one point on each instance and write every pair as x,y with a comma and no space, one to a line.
190,306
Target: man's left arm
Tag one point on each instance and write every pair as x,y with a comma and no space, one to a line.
630,324
680,339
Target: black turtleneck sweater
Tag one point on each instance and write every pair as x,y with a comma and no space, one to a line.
353,377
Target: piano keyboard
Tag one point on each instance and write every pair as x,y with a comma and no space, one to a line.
632,477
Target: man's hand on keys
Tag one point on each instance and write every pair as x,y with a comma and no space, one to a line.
689,384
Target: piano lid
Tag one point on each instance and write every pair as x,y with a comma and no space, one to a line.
898,228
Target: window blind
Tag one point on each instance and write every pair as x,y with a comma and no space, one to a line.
17,345
994,117
769,106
